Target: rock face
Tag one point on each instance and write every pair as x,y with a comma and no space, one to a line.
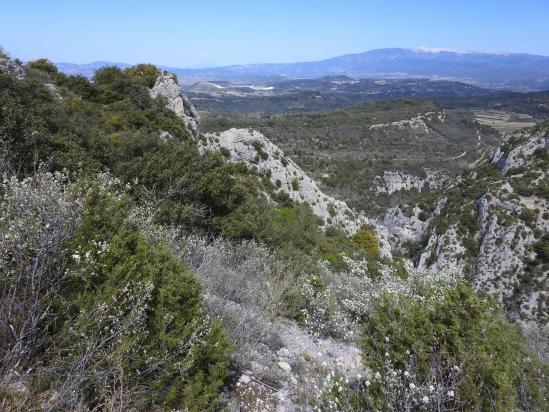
495,233
394,181
54,90
517,150
404,228
416,122
166,85
10,66
256,151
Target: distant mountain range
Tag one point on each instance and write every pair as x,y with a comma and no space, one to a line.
498,71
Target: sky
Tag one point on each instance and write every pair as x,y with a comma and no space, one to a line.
203,33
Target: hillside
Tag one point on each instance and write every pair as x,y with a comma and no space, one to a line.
492,225
152,258
357,153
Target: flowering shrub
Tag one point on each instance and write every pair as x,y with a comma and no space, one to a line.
447,352
451,352
38,217
150,308
340,306
104,319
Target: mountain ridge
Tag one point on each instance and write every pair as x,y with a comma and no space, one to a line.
511,71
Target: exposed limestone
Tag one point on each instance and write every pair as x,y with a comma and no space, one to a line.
516,155
11,67
500,256
443,252
403,228
394,181
416,122
54,90
166,85
256,151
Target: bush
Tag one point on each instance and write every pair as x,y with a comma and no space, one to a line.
166,343
295,184
455,352
145,73
366,239
529,216
101,317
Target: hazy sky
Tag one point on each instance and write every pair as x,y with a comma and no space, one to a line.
201,32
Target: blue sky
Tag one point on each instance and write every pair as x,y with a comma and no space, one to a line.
202,32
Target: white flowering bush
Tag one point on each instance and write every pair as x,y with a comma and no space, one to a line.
244,281
454,350
103,319
38,218
345,299
93,351
451,352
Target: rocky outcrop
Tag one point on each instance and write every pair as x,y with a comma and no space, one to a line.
513,151
394,181
498,239
166,86
11,67
256,151
54,90
443,252
420,121
404,228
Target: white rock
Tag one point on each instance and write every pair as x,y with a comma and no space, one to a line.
10,66
255,150
285,366
283,353
245,379
167,86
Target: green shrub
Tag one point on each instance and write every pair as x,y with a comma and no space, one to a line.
44,65
295,184
529,216
424,215
172,348
459,340
146,73
366,240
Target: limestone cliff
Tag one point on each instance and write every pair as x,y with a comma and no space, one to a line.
395,181
166,85
256,151
492,226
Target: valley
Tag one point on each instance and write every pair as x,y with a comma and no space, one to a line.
273,243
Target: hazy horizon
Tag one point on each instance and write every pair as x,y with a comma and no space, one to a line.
213,65
205,34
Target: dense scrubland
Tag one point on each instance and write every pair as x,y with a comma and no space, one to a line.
138,273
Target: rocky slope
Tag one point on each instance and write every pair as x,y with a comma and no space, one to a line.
10,66
257,152
492,226
254,149
394,181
